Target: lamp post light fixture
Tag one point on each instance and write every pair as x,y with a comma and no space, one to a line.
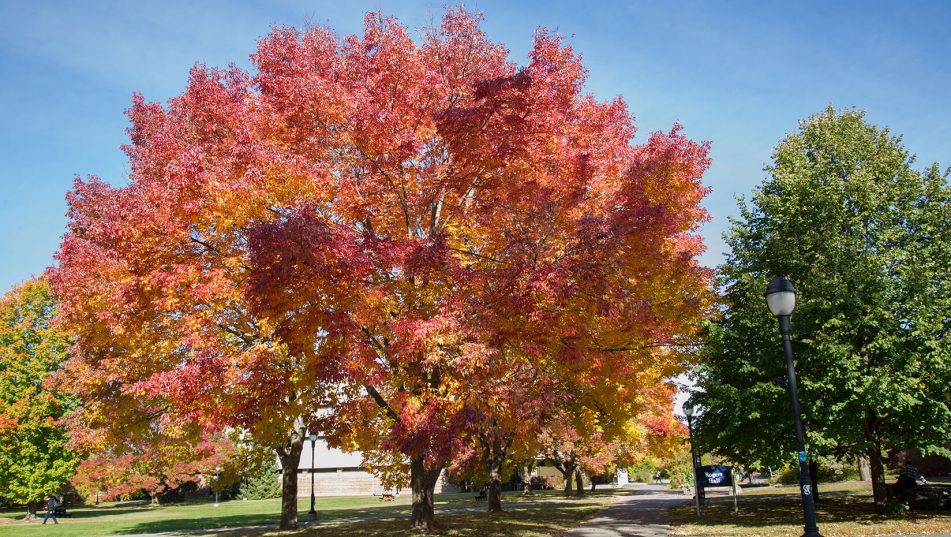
689,411
217,475
312,514
781,301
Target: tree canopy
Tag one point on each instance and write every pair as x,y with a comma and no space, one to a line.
378,227
34,458
865,239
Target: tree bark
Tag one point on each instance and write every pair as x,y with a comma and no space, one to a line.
579,482
569,489
567,468
814,478
527,466
494,486
865,471
878,476
877,466
568,472
423,484
494,452
289,455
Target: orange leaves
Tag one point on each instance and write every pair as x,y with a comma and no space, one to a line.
420,225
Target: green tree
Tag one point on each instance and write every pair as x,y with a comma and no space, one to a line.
263,484
34,461
865,239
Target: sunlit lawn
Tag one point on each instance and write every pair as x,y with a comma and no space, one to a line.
119,520
844,509
533,520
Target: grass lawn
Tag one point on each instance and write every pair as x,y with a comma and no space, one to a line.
844,509
551,517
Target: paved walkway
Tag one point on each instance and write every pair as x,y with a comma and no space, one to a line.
641,515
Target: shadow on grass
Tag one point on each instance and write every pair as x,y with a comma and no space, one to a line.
109,511
767,511
206,523
520,522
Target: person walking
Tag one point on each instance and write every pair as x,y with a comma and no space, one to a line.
51,505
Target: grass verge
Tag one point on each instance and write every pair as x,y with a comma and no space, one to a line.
523,517
844,510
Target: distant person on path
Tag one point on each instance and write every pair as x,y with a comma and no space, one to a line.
51,505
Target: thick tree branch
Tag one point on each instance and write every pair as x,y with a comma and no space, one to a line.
382,402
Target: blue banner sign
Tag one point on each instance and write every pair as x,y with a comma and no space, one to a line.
715,475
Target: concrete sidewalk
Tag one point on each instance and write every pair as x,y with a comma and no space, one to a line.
642,515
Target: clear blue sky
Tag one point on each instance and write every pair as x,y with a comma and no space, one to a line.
739,74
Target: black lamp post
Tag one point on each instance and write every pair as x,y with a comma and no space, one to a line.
217,473
312,514
244,478
689,411
781,300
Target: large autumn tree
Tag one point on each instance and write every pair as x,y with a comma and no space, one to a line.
368,223
34,457
865,238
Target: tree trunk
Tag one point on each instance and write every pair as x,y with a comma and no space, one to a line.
289,454
422,480
865,471
814,478
878,477
568,472
567,468
527,466
494,452
495,489
579,483
870,429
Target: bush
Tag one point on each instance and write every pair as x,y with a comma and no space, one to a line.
263,485
681,477
838,469
830,470
642,472
544,482
789,475
679,469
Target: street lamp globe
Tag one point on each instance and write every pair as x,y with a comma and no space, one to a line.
312,437
780,297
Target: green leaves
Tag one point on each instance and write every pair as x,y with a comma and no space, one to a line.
865,239
33,458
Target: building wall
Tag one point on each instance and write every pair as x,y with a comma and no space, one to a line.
337,473
340,482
